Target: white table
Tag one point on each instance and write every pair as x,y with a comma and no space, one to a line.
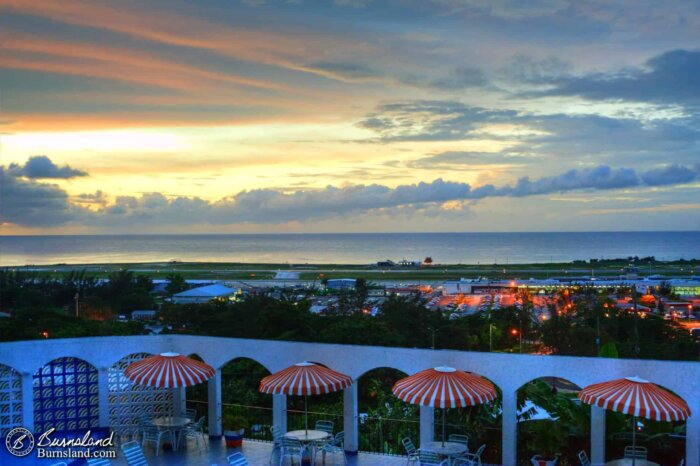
308,438
305,436
628,462
174,424
449,449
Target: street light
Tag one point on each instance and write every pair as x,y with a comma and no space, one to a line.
514,332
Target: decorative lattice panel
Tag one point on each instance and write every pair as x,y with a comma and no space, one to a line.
65,395
127,400
10,399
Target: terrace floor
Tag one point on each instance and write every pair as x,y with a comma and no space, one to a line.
257,453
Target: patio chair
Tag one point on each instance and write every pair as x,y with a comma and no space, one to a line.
411,450
325,426
191,414
277,436
196,432
473,458
430,458
151,433
99,462
291,448
639,453
459,438
134,454
237,459
583,458
335,446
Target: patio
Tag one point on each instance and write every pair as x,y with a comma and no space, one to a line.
257,453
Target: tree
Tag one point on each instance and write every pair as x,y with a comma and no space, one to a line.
176,284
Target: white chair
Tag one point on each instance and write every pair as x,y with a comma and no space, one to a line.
411,450
277,436
151,433
459,438
583,458
430,458
196,432
237,459
99,462
191,414
134,454
335,446
538,459
474,458
325,426
639,453
292,449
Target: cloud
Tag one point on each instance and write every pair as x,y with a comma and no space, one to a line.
457,79
34,204
464,160
669,78
40,166
342,71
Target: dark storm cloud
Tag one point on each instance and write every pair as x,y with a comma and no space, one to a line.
30,203
40,166
669,78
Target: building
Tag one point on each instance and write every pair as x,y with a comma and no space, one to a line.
341,284
27,368
203,294
143,315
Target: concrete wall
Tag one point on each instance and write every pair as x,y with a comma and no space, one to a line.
507,371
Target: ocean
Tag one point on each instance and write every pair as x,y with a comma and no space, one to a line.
360,248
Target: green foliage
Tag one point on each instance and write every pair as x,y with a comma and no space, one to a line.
609,350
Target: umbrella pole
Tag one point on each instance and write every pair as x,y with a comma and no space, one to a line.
443,427
634,440
306,415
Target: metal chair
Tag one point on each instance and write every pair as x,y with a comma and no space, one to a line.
335,446
583,458
411,450
325,426
291,448
237,459
99,462
459,438
191,414
134,454
474,458
430,458
639,453
195,431
277,436
152,433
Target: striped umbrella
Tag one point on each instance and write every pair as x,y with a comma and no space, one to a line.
637,397
305,378
169,370
444,387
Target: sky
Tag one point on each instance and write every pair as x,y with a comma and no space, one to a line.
227,116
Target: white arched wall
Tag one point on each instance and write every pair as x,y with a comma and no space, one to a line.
508,371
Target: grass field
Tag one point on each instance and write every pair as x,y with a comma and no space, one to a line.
251,271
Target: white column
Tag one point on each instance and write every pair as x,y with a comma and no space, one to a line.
103,396
28,400
597,436
510,427
214,404
279,412
179,401
427,425
692,437
350,418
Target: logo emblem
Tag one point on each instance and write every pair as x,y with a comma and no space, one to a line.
19,441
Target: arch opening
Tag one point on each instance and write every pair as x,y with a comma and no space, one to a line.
10,399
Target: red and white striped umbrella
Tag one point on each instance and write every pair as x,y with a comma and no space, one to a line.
445,387
637,397
305,378
169,370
